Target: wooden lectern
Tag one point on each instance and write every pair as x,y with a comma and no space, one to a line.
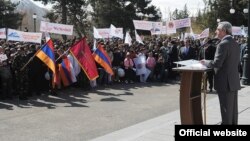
190,94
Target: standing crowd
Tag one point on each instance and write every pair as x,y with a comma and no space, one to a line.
160,54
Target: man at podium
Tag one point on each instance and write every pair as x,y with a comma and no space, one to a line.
226,79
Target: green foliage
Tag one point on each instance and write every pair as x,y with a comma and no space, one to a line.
180,14
219,9
121,13
8,17
69,12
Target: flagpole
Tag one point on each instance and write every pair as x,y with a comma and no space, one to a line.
63,54
67,50
31,59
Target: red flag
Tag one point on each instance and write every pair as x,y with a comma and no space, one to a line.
83,55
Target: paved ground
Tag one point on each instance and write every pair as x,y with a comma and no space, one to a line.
133,112
162,127
78,115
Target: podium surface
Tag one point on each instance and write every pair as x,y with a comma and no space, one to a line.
190,94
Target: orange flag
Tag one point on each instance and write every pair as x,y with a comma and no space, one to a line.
83,55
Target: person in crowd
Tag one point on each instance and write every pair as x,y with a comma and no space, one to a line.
242,53
117,62
207,52
173,57
150,64
142,56
5,76
35,72
128,65
22,85
160,68
187,51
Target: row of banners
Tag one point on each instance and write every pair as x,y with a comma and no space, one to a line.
168,27
162,28
20,36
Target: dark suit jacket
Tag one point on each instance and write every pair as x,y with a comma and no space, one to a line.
225,64
173,53
190,55
207,52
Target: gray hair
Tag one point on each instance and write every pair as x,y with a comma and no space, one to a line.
225,26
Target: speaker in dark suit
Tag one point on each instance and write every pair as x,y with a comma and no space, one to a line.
226,79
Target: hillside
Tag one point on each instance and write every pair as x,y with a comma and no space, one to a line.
28,8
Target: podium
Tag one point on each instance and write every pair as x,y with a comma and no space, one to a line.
190,94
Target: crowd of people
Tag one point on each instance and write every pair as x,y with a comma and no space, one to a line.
160,54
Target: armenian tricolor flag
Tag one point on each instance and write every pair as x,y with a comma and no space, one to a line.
103,59
47,55
66,72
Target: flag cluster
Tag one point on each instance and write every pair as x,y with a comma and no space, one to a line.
81,52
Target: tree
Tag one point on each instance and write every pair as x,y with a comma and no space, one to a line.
121,13
181,14
9,18
220,10
72,12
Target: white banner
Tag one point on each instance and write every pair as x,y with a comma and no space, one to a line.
182,23
105,32
154,27
128,39
113,32
96,34
237,30
204,34
15,35
164,29
56,28
142,25
138,38
170,26
2,33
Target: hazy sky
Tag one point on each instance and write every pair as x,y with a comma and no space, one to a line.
170,5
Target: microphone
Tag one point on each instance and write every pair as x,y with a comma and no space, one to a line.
214,41
211,41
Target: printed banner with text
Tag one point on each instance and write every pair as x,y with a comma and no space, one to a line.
15,35
170,27
2,33
154,27
105,32
182,23
56,28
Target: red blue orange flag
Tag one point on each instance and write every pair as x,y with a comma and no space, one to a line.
102,58
66,72
83,55
47,55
